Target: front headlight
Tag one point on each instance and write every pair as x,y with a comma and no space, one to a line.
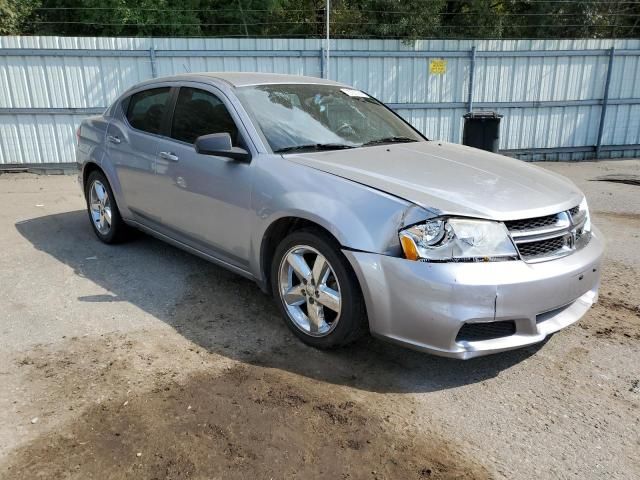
457,240
583,212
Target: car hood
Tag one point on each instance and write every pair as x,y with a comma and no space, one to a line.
451,179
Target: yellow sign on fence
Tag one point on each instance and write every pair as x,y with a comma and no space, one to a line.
438,66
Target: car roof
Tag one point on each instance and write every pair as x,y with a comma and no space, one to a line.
243,79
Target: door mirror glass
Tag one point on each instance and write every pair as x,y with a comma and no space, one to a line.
219,144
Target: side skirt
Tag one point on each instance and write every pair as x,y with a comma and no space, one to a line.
192,250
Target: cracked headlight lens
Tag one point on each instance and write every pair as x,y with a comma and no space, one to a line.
457,240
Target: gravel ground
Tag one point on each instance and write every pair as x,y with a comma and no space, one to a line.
142,361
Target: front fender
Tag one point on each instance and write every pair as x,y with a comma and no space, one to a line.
359,217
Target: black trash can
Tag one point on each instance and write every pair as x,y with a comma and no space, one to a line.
482,130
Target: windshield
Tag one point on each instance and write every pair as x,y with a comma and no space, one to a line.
306,116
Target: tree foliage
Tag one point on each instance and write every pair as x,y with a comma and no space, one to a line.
15,15
407,19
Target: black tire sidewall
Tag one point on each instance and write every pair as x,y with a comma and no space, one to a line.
115,233
352,322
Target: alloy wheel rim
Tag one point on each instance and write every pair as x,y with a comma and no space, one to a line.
100,207
310,291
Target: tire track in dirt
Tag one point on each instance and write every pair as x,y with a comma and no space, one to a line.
243,422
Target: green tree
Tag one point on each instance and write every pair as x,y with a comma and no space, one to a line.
119,17
243,18
409,19
406,19
540,19
473,19
15,16
553,20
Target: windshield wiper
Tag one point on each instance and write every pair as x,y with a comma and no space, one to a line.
314,146
380,141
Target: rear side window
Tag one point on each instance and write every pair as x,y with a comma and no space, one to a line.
199,112
146,109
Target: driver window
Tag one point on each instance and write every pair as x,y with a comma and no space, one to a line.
199,112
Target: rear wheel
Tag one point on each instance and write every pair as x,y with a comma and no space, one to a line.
103,212
317,291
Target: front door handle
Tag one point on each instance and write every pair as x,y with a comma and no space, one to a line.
169,156
113,139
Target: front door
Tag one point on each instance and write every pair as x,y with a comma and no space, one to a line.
204,200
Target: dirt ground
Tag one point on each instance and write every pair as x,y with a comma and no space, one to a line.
142,361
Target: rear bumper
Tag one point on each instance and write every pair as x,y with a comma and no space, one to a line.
424,305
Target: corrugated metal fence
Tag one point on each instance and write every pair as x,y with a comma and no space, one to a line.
561,99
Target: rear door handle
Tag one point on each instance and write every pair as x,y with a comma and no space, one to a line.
169,156
113,139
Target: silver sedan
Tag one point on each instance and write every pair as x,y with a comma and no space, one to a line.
344,212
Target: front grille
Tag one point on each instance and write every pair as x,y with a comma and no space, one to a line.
531,223
542,247
477,332
550,236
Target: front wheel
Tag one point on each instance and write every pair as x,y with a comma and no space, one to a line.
317,291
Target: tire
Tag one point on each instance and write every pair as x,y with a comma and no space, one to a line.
336,328
117,231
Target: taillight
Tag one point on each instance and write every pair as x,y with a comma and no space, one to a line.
78,136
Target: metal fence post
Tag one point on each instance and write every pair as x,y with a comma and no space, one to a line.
605,101
472,71
152,57
328,27
323,68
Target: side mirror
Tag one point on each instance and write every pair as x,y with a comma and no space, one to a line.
219,144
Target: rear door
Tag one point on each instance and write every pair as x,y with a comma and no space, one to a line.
204,200
132,144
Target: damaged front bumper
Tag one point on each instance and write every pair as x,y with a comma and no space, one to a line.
501,305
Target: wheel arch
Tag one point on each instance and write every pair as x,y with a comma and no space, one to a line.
277,231
88,168
106,169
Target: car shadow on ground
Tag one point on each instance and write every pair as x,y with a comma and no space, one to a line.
228,315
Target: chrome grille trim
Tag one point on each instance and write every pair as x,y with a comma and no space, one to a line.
561,224
545,238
